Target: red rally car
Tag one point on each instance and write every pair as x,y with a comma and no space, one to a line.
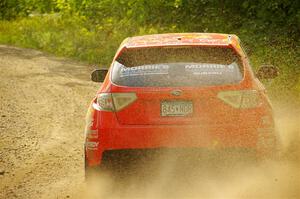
180,90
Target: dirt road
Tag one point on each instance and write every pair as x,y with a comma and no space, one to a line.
43,105
43,101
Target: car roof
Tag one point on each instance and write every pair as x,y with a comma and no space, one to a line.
184,39
179,39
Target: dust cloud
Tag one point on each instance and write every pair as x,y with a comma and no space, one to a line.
168,177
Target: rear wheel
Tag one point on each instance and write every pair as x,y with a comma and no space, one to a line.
91,171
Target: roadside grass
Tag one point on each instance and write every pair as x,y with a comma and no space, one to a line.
69,37
76,37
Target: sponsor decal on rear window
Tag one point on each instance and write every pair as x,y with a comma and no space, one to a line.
210,69
155,69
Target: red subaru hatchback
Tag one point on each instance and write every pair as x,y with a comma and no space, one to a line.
187,90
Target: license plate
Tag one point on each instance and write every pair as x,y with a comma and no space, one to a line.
176,108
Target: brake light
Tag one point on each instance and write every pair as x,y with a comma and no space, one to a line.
241,98
121,100
105,102
114,101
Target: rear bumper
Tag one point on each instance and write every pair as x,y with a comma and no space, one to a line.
179,136
221,138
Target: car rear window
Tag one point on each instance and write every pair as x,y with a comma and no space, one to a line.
177,66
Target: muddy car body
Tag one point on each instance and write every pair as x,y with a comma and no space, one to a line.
188,90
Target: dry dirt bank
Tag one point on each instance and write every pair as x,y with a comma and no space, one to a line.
43,101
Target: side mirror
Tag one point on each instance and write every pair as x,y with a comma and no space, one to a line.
267,72
99,75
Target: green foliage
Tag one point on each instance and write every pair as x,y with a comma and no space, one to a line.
91,30
12,9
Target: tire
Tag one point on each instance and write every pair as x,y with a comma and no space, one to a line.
90,172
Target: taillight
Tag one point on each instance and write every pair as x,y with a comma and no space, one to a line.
121,100
241,98
114,101
104,102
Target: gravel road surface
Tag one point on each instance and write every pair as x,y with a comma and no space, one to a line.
43,101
